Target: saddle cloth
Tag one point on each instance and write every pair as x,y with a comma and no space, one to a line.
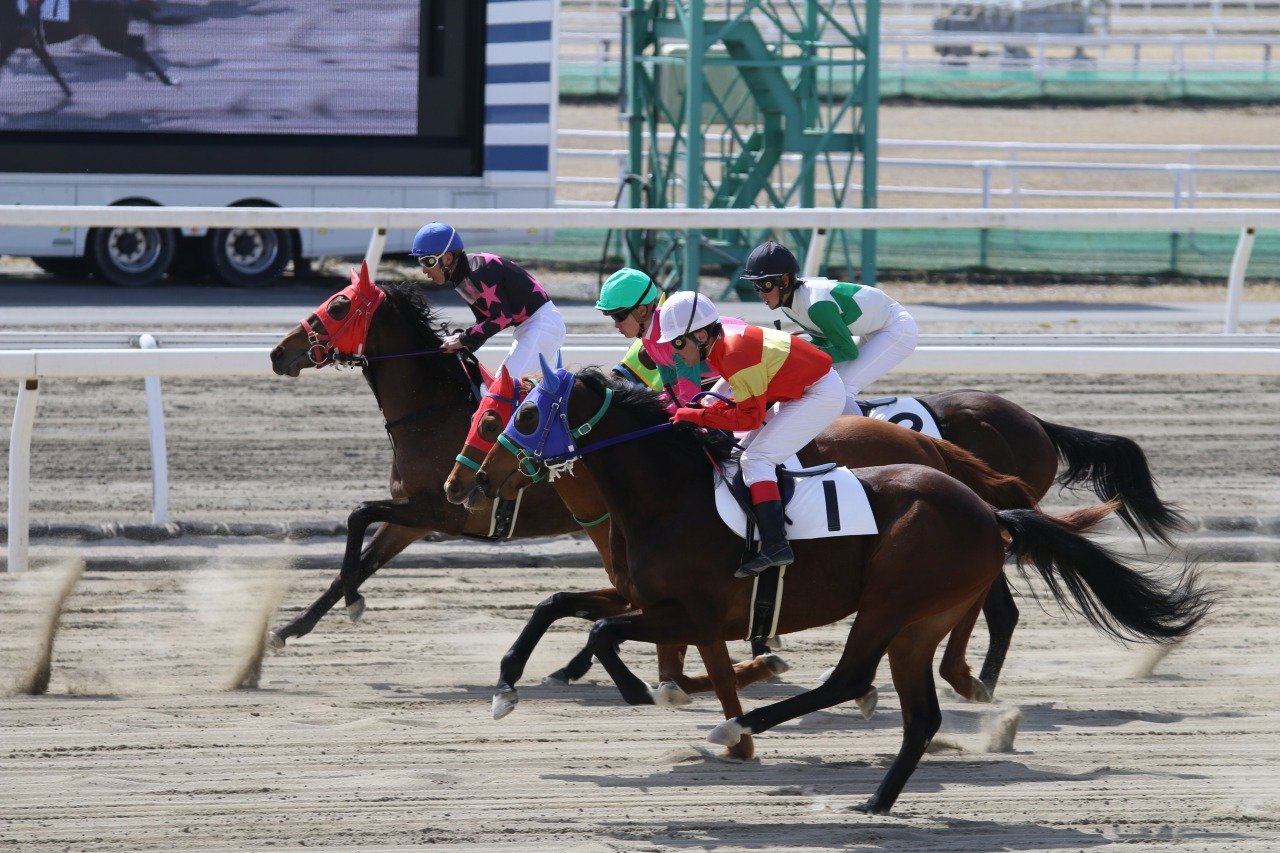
50,10
833,504
903,411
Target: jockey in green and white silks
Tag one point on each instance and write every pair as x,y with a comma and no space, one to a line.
832,313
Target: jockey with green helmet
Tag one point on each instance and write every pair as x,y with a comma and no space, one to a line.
631,300
832,313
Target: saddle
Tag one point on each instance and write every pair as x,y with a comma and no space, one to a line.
786,486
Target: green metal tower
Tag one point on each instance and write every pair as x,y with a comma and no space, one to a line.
768,104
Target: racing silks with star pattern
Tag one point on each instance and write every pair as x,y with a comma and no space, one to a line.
500,294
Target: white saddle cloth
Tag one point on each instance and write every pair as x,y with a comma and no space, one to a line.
910,413
813,515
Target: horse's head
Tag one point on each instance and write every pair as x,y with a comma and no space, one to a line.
336,330
499,402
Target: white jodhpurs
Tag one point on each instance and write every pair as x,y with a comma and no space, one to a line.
878,353
790,427
541,335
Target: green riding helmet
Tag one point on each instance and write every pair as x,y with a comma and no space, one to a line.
627,288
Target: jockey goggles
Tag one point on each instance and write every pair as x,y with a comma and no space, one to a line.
617,315
764,285
430,261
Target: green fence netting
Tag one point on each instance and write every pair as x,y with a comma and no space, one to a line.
1199,254
1066,83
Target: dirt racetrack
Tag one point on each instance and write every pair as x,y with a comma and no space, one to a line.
380,733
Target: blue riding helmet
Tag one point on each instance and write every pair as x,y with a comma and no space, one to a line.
435,238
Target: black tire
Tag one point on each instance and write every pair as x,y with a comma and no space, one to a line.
248,257
62,267
130,256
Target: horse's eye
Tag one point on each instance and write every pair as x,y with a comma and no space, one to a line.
527,419
339,306
490,425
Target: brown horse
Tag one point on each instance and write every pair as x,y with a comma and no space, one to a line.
426,397
106,20
938,548
852,442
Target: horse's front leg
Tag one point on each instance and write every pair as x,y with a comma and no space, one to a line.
388,541
404,512
721,671
42,53
584,605
665,623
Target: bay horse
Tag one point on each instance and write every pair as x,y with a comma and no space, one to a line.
851,442
938,549
106,20
426,398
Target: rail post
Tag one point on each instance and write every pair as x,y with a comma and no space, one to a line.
1235,281
24,417
159,448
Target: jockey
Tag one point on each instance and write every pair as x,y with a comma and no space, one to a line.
763,367
500,294
631,300
832,313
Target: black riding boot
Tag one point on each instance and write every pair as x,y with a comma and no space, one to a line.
775,550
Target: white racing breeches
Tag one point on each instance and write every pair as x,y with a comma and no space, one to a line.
541,335
789,427
878,353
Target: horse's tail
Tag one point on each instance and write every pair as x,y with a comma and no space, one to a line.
1115,467
1117,599
1000,490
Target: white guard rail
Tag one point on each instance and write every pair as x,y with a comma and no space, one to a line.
1240,355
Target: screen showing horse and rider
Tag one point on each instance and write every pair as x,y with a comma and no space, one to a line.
181,66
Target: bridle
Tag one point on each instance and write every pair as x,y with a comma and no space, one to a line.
554,445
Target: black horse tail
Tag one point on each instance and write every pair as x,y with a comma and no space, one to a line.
1000,490
1116,468
1116,599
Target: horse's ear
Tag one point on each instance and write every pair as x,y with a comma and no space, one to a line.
503,380
559,360
549,379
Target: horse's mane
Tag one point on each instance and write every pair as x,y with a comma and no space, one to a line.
409,301
650,408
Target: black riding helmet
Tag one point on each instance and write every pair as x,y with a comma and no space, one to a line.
770,260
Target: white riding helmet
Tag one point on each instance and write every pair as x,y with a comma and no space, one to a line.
685,312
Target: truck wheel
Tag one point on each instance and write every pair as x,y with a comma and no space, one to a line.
130,256
61,267
248,257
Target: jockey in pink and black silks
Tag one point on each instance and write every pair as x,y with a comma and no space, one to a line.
500,294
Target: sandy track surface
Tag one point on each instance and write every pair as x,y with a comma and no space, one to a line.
380,733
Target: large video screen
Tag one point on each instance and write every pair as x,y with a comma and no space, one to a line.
215,66
394,87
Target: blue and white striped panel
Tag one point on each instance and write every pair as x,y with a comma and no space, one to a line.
520,87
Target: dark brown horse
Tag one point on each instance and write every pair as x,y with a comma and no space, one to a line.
938,548
426,397
106,20
852,442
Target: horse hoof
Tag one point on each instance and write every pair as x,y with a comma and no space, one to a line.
504,702
826,674
979,691
867,703
356,609
559,678
774,664
728,733
669,695
274,641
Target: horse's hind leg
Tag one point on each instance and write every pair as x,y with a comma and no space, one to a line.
954,667
388,541
1002,617
911,662
134,47
747,672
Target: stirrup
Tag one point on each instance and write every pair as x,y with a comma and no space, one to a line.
762,561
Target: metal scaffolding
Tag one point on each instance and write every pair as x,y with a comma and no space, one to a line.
766,104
